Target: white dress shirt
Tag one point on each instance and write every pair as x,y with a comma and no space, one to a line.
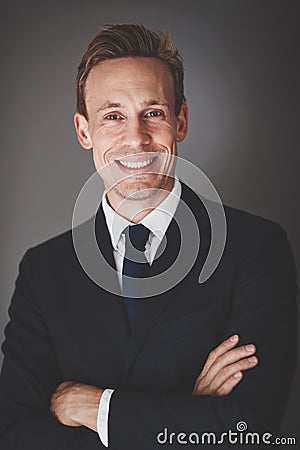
157,221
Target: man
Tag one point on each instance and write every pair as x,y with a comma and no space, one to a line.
86,368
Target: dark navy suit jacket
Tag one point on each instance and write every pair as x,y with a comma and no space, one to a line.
63,326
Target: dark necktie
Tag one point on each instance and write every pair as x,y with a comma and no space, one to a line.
135,265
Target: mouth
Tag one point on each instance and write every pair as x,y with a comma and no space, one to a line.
134,165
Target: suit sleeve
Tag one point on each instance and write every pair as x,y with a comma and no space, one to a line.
30,374
264,312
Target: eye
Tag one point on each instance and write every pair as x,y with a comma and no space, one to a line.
154,114
113,117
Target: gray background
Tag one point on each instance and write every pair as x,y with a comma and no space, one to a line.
242,85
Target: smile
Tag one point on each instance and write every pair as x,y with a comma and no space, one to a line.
136,164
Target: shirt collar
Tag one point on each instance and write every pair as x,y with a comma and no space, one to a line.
157,220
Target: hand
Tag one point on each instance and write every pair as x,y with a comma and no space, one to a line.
224,368
76,404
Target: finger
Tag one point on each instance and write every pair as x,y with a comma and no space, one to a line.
222,389
230,357
224,374
227,387
224,347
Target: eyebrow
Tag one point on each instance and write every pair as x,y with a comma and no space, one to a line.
155,101
108,105
151,102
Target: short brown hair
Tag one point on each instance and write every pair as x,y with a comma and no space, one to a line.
117,41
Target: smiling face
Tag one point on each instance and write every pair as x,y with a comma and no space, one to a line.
132,126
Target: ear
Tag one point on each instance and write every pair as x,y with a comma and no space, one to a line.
82,131
182,123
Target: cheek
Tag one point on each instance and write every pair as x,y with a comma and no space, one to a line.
102,144
165,135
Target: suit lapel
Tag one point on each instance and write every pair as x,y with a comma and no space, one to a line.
113,313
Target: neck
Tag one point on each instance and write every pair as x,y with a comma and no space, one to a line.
136,210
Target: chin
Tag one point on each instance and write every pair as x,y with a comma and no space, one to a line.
140,189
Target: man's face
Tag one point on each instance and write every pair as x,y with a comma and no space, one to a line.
132,125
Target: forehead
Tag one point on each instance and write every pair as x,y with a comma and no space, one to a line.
133,77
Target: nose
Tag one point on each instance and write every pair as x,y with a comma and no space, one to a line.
136,134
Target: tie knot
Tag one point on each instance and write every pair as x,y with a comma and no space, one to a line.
138,235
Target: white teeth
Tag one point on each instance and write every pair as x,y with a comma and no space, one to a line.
136,165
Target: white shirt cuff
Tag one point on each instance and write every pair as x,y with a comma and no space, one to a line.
102,419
